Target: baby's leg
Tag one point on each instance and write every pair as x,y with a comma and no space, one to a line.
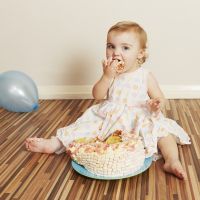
169,150
42,145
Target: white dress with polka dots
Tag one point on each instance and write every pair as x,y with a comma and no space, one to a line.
125,109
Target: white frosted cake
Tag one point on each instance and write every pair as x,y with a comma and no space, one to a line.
120,154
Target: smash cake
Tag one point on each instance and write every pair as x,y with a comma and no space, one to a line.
120,154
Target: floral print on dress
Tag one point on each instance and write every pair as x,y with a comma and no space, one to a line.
125,109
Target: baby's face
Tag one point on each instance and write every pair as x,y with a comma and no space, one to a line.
124,46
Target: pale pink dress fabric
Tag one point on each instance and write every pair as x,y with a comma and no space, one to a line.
124,110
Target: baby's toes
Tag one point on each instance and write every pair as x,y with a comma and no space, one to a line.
179,171
28,140
31,140
182,174
34,141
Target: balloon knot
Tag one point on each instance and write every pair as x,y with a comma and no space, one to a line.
35,106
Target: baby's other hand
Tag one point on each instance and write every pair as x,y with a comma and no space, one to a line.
154,106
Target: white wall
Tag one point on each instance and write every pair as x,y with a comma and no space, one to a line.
60,44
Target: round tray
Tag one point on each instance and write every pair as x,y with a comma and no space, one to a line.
81,170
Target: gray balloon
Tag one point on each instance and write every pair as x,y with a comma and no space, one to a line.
18,92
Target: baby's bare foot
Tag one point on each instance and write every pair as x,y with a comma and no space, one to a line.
175,167
42,145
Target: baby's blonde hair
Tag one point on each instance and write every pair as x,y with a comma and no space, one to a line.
132,26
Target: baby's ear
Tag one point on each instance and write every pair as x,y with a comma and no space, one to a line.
142,53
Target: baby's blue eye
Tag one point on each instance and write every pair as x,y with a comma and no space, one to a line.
126,48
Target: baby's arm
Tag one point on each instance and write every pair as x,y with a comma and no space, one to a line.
154,90
100,89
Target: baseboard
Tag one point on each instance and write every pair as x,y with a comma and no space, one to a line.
85,92
65,92
181,91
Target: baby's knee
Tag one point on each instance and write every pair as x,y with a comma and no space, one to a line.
166,140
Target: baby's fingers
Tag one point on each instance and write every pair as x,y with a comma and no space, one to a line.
110,60
104,63
155,104
158,105
150,102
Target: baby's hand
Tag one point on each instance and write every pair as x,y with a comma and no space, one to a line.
109,68
154,106
112,67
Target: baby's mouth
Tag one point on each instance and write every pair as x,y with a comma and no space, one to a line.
120,65
117,59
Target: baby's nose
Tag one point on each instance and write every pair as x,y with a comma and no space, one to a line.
116,52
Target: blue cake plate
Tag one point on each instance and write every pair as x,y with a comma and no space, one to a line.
81,170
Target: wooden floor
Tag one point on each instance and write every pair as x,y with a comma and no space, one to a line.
26,175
